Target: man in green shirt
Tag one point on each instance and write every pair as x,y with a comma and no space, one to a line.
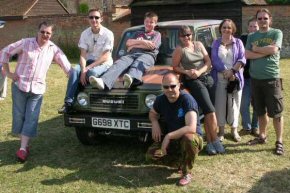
263,50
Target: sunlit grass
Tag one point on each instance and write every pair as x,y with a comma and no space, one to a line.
59,163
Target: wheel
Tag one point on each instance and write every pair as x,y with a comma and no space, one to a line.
87,136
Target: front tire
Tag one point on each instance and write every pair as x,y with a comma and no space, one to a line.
87,136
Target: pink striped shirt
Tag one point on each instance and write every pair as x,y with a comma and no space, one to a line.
33,63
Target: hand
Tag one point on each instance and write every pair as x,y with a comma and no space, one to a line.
165,144
150,45
156,133
228,74
13,76
83,78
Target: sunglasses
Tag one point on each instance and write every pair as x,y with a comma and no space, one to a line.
169,86
186,35
263,18
45,33
94,17
225,27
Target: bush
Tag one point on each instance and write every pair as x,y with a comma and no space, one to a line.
83,8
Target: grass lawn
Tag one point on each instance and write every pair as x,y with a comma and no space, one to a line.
59,163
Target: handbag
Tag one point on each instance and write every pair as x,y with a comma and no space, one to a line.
233,86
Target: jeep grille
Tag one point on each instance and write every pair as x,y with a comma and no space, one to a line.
120,103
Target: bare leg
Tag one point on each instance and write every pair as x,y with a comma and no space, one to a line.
210,127
263,122
279,125
24,141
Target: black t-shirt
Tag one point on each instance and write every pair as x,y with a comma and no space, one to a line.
174,113
244,38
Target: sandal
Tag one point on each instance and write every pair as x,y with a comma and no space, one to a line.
257,140
279,148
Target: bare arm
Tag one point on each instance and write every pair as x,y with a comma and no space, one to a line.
143,44
267,50
83,67
189,128
103,58
254,55
156,130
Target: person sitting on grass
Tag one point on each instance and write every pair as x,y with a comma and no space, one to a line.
181,135
142,53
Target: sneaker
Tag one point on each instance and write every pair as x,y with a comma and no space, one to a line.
219,146
221,138
184,180
128,80
243,132
210,149
97,82
22,155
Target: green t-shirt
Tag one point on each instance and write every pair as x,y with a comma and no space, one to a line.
268,66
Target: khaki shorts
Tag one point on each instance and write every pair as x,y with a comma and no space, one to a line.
267,97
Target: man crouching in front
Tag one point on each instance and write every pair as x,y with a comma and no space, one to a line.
182,132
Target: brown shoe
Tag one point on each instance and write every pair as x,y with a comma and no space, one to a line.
257,140
255,132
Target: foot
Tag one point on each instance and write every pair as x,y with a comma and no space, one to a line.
219,146
184,180
255,132
210,149
97,82
279,150
245,132
66,108
128,80
22,155
221,137
235,135
257,140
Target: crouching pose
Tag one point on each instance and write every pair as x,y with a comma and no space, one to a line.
182,132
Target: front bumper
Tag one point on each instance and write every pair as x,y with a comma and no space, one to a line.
99,121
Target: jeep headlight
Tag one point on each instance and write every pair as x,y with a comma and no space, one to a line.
82,99
149,100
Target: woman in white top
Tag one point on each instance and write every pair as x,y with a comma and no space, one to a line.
228,59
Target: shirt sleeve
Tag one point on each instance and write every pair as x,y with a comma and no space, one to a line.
157,40
82,41
61,59
189,104
156,105
10,50
109,43
279,38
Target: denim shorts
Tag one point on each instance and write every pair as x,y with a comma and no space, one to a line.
267,97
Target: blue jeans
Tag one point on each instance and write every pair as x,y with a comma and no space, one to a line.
134,64
74,79
26,110
245,108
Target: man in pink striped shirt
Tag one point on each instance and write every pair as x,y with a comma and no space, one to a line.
35,55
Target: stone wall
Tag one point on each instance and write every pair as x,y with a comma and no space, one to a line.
281,20
67,29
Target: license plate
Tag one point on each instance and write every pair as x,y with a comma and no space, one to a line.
111,123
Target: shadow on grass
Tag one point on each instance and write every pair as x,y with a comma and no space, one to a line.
115,161
276,181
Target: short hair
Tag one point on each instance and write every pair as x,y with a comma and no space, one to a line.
96,9
252,19
233,25
183,29
47,24
170,73
151,14
263,10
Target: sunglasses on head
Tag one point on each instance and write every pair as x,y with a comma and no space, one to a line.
169,86
263,18
186,35
45,32
94,17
